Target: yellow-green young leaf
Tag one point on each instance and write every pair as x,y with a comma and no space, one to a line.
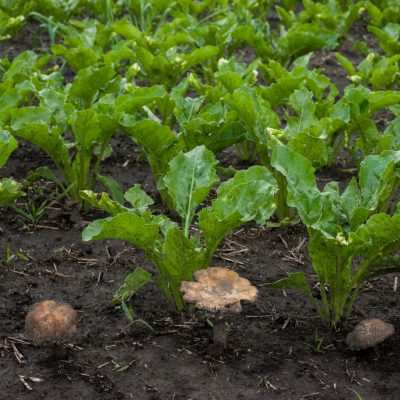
105,203
9,191
190,177
7,145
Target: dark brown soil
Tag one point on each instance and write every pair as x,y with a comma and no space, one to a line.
278,348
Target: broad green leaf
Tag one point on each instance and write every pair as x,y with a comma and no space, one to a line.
30,115
159,143
40,134
312,205
137,98
180,256
189,180
379,176
379,236
86,128
141,231
88,84
249,195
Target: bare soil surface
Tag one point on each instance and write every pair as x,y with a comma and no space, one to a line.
278,348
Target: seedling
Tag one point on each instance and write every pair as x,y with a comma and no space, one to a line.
10,256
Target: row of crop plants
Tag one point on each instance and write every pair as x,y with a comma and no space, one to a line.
172,77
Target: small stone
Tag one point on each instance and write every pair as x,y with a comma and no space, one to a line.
369,333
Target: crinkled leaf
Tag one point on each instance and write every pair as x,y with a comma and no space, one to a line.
105,203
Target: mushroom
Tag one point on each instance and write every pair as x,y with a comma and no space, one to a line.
51,323
218,289
369,333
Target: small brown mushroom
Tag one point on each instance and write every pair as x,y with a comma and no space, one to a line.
51,323
369,333
219,289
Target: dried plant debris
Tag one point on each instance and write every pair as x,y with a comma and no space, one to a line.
218,289
51,322
369,333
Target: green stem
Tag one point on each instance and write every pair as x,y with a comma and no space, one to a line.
336,290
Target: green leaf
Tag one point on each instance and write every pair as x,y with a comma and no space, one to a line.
113,187
159,143
141,231
9,191
379,178
379,236
249,195
138,198
181,256
105,203
189,180
7,145
134,281
137,98
312,205
87,85
31,124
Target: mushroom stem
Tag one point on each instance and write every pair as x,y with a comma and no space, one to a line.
58,352
220,333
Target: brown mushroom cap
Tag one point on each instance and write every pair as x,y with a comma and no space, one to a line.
218,289
369,333
51,322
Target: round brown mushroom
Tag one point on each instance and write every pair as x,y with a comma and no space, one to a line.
369,333
51,323
218,289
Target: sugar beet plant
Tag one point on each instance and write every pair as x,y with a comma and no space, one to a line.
73,126
352,238
179,249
